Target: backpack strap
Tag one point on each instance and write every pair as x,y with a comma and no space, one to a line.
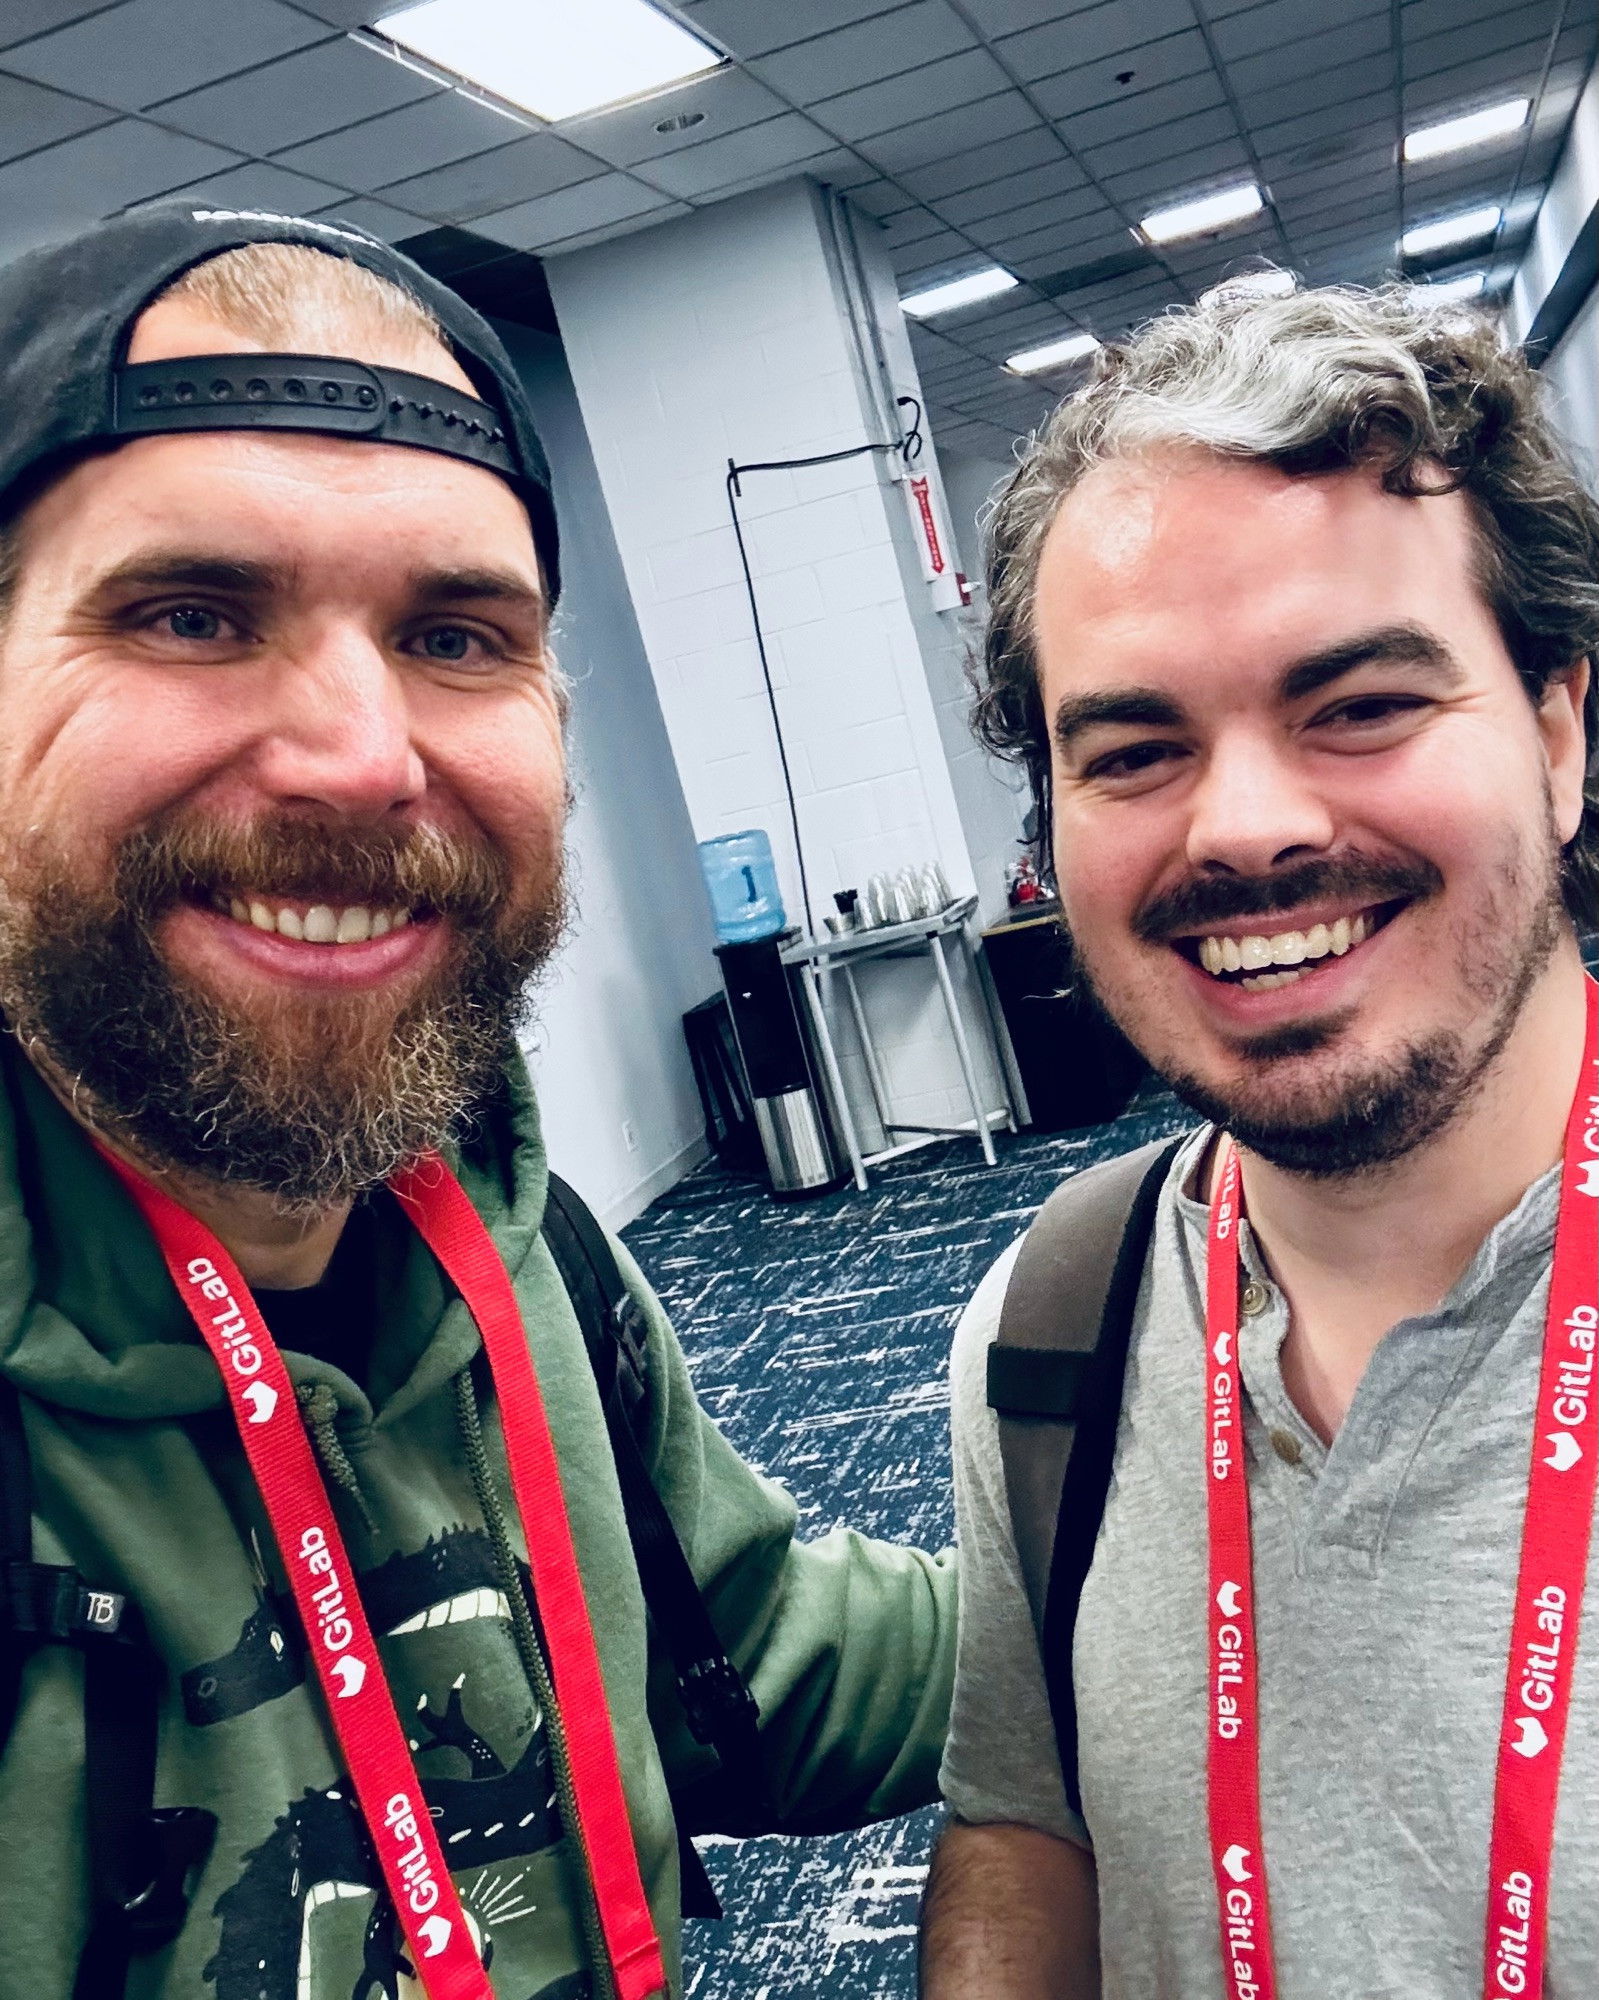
141,1860
1055,1374
719,1707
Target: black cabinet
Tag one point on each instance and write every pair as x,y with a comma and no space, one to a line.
1076,1067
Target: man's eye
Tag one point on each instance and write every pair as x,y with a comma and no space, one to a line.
1374,708
192,621
448,642
1130,761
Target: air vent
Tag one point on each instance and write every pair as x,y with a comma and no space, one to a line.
681,121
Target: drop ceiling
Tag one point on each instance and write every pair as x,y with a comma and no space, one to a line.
1023,132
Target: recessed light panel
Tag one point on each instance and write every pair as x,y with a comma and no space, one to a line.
552,57
976,285
1055,354
1450,291
1449,230
1475,128
1204,216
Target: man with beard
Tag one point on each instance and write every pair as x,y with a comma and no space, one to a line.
1292,606
324,1661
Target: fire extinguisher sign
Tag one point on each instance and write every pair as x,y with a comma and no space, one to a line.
933,548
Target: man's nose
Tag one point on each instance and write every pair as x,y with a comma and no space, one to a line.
1255,808
341,732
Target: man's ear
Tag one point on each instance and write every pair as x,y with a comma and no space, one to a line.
1562,723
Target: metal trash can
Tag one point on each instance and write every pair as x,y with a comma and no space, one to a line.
800,1156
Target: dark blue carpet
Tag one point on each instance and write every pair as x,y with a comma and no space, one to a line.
818,1333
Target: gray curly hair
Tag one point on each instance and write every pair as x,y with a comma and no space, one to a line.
1316,382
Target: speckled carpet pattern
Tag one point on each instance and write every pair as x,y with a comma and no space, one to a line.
818,1333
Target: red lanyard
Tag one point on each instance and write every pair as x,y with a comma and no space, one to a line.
1549,1590
323,1581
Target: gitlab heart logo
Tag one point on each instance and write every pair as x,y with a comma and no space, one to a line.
1223,1349
1589,1184
351,1674
1228,1598
262,1398
1566,1451
435,1935
1236,1863
1532,1739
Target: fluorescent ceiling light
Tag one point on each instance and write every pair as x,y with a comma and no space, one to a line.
985,284
1451,229
1204,216
1448,290
1038,360
550,57
1475,128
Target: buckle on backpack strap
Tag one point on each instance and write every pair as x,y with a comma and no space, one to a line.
181,1838
715,1700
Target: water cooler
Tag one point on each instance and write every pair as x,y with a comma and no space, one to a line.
793,1131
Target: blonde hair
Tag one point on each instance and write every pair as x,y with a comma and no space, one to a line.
291,296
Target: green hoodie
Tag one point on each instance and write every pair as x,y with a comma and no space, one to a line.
139,1481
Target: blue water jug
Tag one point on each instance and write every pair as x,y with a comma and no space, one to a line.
742,879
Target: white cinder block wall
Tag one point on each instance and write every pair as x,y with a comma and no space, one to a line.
725,335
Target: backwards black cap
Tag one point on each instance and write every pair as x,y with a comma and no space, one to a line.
67,313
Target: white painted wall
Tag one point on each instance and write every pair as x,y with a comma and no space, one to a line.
725,335
608,1050
1573,368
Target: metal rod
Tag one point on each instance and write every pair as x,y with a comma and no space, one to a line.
957,1028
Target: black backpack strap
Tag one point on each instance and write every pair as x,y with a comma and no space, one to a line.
720,1709
141,1861
1055,1376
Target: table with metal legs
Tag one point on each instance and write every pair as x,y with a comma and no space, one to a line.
819,958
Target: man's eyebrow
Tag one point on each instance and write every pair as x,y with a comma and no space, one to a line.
1128,707
486,585
1388,646
157,570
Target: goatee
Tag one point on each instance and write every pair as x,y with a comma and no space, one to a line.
309,1097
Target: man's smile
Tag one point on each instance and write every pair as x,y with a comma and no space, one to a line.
1258,959
312,923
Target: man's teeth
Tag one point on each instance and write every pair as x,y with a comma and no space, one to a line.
1291,948
318,925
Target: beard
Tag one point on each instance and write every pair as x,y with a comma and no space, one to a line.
1356,1116
309,1097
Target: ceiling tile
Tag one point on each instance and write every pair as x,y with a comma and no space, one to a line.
1192,174
726,101
1499,36
1282,21
261,184
755,27
1146,67
1046,252
1183,136
1310,55
135,54
866,52
22,19
1059,177
930,139
346,13
527,167
1433,17
398,145
300,97
1435,96
721,163
31,116
1078,208
53,192
571,211
1009,17
979,164
880,199
916,95
1144,110
933,259
377,218
914,226
1090,36
1344,83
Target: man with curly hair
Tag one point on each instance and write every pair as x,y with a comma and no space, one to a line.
1292,611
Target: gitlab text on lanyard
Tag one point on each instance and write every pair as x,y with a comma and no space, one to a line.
337,1634
1564,1452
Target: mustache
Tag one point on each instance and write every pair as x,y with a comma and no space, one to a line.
182,857
1191,906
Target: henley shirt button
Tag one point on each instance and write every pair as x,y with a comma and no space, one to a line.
1254,1299
1287,1447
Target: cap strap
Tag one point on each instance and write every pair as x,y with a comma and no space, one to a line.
309,392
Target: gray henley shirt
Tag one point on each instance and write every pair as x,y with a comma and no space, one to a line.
1385,1569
